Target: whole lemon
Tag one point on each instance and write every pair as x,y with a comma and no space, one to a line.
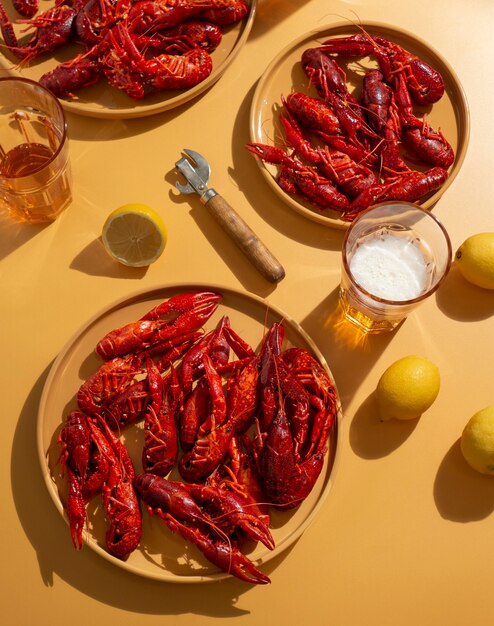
407,388
475,260
477,441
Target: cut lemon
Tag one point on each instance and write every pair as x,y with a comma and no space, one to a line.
134,235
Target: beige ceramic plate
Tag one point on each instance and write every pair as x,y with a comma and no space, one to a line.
285,75
161,554
103,101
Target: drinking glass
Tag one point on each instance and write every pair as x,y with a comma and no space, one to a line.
395,255
35,172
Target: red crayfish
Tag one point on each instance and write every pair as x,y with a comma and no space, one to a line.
54,28
176,316
347,152
424,83
245,430
298,412
97,462
208,517
139,47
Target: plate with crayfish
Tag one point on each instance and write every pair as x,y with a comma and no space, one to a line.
161,554
285,76
103,101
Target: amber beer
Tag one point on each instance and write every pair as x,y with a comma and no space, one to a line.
35,173
46,193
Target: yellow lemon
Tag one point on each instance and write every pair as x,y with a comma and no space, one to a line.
134,235
475,260
407,388
477,441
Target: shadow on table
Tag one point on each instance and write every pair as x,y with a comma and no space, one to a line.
271,12
350,353
460,300
462,494
372,438
88,129
95,261
14,234
87,571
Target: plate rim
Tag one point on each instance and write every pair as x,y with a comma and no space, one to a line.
334,452
461,112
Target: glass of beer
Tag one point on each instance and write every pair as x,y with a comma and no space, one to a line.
395,255
35,173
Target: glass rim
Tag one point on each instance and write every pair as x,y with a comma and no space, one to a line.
422,296
56,102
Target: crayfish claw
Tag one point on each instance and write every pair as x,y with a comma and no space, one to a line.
182,303
244,569
222,554
76,509
257,530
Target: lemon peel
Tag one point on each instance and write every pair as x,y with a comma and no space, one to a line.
475,260
407,388
134,234
477,441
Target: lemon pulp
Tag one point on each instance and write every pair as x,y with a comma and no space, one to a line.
134,235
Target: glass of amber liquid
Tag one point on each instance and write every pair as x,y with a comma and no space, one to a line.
395,255
35,172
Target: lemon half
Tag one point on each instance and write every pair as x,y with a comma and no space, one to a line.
475,260
407,388
134,235
477,441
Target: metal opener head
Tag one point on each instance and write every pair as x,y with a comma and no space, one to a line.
196,171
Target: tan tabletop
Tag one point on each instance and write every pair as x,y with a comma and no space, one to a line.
405,536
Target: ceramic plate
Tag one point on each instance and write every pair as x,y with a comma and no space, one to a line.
103,101
162,555
285,75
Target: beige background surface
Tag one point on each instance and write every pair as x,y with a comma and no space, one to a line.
405,536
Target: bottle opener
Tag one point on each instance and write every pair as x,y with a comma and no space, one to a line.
196,171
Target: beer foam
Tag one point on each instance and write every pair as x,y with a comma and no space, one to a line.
390,267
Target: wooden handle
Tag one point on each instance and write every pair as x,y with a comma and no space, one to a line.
247,241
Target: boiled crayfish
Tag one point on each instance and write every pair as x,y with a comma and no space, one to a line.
138,46
207,517
98,463
346,153
245,430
